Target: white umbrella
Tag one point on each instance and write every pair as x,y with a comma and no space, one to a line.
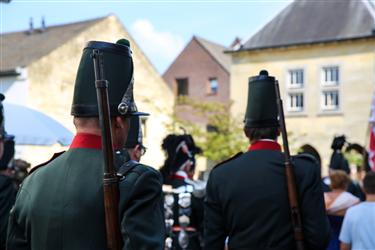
31,127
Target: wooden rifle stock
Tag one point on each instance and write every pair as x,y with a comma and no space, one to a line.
110,179
290,177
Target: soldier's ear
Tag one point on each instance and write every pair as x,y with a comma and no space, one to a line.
246,131
120,122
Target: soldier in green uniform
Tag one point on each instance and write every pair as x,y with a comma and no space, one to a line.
247,199
60,204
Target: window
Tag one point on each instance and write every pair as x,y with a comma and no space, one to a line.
330,100
213,86
295,78
182,87
211,128
295,101
330,75
295,90
330,92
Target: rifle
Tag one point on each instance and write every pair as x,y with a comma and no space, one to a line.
110,179
290,177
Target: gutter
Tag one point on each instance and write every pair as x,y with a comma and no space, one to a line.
10,72
300,44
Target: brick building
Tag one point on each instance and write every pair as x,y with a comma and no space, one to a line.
201,72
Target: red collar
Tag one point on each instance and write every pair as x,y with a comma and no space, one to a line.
265,145
84,140
177,176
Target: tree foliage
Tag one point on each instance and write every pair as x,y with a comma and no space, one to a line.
221,138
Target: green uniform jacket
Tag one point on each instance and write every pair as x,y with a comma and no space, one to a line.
247,201
60,206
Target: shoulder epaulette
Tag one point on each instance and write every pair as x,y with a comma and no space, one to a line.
229,159
55,155
126,168
308,157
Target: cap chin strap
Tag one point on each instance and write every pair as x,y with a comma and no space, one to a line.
184,147
127,104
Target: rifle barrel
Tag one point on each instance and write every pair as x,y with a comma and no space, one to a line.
290,177
110,180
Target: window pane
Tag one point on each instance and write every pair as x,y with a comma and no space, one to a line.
213,85
182,87
296,78
331,75
331,100
295,102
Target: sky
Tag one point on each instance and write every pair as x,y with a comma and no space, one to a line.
162,28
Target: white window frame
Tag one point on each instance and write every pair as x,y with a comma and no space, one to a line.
291,79
295,108
323,75
293,89
330,107
330,86
210,80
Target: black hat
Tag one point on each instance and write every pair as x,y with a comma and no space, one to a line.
173,145
338,142
261,108
118,71
8,152
135,132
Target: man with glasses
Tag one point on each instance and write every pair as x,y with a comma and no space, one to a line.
134,144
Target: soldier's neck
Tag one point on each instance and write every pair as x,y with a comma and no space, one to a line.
94,131
370,197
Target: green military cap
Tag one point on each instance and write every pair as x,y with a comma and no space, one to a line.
261,108
135,132
118,71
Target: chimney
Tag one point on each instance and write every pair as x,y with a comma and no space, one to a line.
31,26
43,25
236,43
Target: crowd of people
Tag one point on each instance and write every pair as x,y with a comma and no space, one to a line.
245,204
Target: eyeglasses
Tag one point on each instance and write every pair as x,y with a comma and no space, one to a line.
143,150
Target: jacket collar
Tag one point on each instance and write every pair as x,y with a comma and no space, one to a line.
265,145
84,140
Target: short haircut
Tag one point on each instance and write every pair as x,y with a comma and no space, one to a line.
339,179
369,182
255,134
86,121
94,122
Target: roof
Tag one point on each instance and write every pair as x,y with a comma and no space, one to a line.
19,49
216,51
308,21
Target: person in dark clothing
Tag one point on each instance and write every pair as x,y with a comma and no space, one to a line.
338,161
184,200
7,188
307,149
246,196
